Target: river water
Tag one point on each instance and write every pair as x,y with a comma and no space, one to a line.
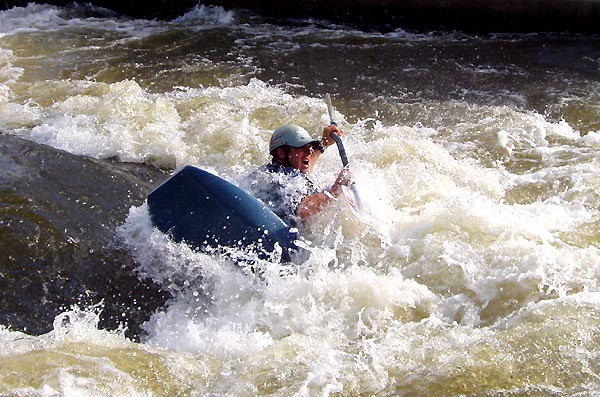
477,272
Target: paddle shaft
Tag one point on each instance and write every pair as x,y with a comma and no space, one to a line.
335,136
352,196
340,147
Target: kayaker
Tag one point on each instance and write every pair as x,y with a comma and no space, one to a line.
284,185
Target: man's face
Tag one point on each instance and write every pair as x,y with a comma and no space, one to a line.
302,158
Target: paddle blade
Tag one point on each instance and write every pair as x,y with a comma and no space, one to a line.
355,204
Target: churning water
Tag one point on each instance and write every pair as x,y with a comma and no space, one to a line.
478,155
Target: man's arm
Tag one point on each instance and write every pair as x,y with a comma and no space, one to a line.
316,202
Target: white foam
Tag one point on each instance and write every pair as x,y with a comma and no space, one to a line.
592,139
442,284
201,16
48,18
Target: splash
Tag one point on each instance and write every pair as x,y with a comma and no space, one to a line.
478,275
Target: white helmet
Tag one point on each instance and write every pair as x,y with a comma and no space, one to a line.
291,135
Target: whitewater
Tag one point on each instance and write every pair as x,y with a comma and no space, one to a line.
477,273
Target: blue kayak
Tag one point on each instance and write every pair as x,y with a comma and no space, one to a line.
203,210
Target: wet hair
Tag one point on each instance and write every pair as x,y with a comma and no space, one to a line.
285,162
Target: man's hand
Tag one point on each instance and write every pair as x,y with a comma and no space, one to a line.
344,178
327,139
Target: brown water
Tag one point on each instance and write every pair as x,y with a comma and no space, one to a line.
478,156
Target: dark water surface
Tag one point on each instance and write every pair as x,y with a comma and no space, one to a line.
59,213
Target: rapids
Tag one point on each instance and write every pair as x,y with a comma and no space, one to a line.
478,156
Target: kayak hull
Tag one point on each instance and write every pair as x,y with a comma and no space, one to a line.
205,211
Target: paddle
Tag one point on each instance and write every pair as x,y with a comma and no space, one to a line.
350,191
